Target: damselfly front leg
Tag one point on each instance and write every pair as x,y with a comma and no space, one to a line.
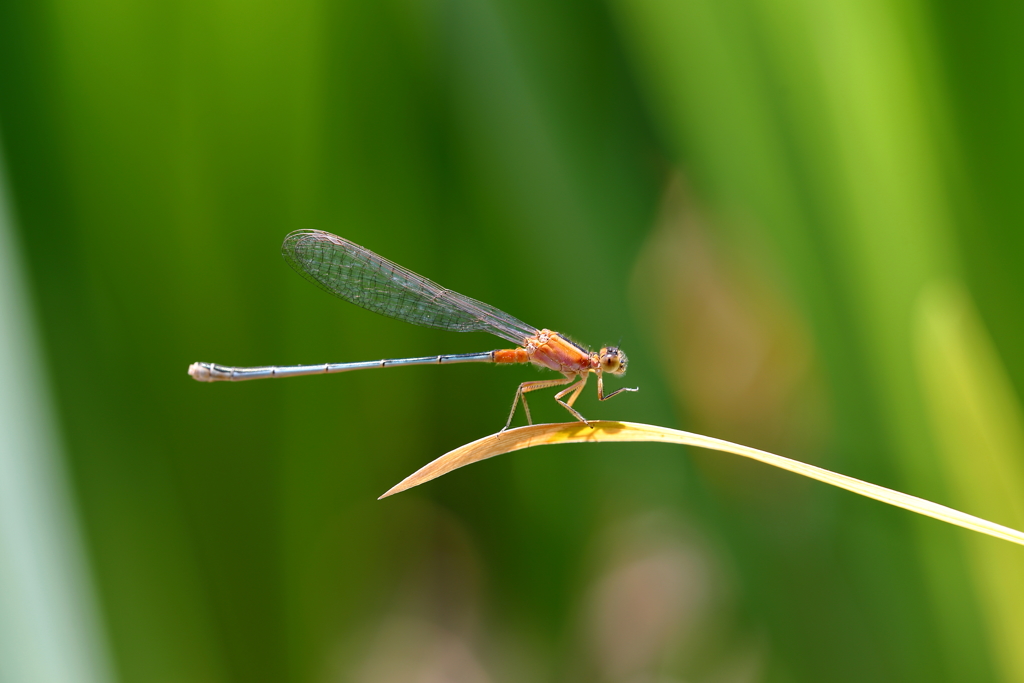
600,389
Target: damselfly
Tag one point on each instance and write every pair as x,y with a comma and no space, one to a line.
365,279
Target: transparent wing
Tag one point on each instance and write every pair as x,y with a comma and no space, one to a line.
359,276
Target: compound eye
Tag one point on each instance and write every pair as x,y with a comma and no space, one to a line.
612,361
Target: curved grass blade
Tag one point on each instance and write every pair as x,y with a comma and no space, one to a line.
576,432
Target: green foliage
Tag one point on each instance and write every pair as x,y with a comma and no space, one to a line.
837,246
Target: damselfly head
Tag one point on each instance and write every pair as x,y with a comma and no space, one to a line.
613,360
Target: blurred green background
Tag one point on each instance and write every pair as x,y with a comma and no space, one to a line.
802,220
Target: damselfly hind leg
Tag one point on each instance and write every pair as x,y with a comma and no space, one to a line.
526,387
